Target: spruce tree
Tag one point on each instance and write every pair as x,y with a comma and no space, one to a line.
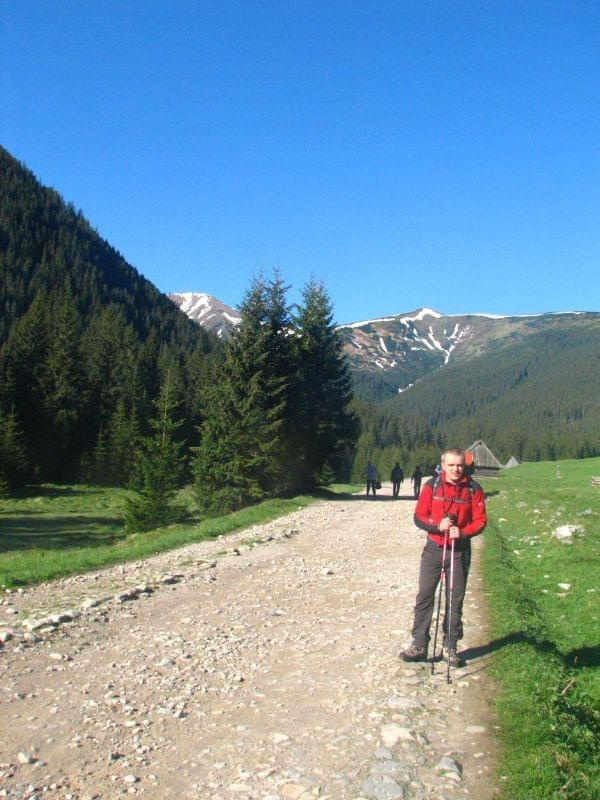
13,463
100,462
238,460
160,466
324,428
63,389
122,443
22,386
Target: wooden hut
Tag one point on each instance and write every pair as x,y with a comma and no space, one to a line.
486,463
512,462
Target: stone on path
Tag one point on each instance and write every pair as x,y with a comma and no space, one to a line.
391,734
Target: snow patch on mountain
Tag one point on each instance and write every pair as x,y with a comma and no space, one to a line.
366,322
207,311
435,341
420,315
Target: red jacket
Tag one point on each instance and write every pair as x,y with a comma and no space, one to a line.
467,504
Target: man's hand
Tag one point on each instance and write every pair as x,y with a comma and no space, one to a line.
445,524
454,532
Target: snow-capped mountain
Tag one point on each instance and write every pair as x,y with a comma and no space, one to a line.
390,354
209,312
399,350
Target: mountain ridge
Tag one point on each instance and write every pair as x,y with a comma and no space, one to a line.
210,313
390,354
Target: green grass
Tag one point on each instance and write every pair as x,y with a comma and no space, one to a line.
346,488
546,641
53,531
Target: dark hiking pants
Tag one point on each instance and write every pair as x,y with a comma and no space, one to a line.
429,577
371,485
417,487
395,488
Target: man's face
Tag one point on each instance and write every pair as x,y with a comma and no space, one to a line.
454,466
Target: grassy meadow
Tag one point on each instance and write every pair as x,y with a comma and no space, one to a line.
52,531
545,638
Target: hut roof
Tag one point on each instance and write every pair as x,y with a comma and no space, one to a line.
512,462
483,456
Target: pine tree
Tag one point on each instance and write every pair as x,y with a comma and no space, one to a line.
325,429
100,462
123,436
13,464
22,386
160,466
238,460
63,389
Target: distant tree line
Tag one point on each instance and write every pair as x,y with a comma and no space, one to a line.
538,400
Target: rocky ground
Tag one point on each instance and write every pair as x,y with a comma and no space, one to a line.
262,666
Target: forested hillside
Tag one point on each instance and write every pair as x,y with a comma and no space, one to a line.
85,341
47,246
103,379
538,399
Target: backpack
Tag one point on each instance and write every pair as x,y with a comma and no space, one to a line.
471,484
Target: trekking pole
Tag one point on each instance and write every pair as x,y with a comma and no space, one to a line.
449,629
437,618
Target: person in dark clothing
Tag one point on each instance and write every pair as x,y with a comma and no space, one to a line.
416,479
371,477
451,507
396,477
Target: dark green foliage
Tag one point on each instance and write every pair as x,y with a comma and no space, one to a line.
100,471
275,418
123,441
238,460
325,431
160,467
46,245
63,390
83,339
12,453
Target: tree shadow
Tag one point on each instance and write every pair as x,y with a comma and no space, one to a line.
51,491
31,532
579,658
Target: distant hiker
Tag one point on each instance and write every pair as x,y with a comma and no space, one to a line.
371,476
451,509
396,477
416,479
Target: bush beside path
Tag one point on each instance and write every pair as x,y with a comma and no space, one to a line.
263,665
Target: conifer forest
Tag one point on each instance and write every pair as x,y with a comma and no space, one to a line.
104,380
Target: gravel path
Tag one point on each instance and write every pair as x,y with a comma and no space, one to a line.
262,666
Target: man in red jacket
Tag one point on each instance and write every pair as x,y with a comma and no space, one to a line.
452,507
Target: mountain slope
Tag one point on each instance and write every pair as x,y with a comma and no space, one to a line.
46,245
537,398
391,354
207,311
85,344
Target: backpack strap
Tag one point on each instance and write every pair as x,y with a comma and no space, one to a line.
435,482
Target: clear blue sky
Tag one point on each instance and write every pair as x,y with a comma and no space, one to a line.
407,153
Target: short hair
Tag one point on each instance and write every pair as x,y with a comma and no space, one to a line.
454,450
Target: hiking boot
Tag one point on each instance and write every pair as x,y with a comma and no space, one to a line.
454,658
416,652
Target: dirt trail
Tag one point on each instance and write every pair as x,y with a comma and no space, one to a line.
266,673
